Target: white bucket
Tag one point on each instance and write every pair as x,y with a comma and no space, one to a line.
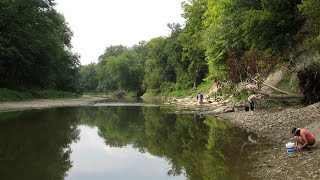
290,148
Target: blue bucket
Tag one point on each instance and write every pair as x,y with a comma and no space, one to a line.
291,150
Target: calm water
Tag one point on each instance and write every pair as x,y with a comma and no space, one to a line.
120,141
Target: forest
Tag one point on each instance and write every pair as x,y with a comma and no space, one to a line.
35,47
221,40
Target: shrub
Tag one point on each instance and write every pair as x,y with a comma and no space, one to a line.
309,83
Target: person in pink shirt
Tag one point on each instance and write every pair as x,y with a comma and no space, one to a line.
303,138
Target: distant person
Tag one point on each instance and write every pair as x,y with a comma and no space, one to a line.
201,98
252,99
302,138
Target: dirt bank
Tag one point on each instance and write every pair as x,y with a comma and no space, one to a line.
47,103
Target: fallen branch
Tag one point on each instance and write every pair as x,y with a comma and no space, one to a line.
291,95
272,87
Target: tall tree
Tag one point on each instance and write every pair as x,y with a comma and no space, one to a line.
35,45
191,39
311,10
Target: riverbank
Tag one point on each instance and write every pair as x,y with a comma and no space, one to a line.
273,163
49,103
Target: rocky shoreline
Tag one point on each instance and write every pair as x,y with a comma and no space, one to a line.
275,162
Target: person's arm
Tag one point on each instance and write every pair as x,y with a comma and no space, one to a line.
305,140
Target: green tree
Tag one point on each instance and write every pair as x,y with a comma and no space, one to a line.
191,39
88,78
121,68
272,27
35,46
311,11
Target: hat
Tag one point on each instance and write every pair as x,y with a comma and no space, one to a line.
294,130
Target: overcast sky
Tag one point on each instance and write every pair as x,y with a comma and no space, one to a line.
97,24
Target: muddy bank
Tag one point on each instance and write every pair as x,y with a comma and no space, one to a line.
48,103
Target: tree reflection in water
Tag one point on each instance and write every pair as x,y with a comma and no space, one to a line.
199,147
35,145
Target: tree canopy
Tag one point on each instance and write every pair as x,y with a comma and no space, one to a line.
35,44
225,40
220,39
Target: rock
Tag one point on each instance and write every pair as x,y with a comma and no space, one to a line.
229,109
219,110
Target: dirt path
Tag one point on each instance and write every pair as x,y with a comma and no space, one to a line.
47,103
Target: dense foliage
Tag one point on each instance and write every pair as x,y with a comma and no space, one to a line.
309,78
221,40
35,46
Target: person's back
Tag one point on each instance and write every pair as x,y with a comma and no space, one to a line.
201,97
308,135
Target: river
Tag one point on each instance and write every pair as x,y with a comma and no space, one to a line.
121,141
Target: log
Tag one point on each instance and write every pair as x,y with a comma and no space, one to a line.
279,90
279,95
272,87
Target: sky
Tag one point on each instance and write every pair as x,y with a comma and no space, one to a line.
93,159
98,24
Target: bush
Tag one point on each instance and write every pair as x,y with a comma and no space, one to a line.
309,83
20,94
12,95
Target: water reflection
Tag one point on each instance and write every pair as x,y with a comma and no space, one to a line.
36,145
94,160
121,142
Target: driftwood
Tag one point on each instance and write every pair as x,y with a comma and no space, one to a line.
272,87
280,95
285,94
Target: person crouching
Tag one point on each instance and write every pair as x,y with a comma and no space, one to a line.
302,138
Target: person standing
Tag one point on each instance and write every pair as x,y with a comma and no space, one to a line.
201,98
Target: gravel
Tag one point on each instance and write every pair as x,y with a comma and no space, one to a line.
276,126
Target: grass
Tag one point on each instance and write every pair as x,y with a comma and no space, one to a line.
289,83
181,93
203,87
22,94
271,104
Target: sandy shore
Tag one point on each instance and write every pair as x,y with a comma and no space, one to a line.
47,103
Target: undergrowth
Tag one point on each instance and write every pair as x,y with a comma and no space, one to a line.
21,94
